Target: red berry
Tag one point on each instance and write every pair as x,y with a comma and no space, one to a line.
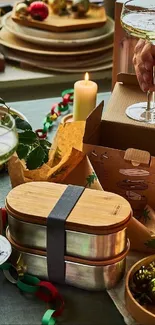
38,10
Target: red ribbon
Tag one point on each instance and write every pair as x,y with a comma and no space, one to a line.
55,106
57,109
67,99
4,216
52,295
41,134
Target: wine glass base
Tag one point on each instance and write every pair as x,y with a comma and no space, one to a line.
138,112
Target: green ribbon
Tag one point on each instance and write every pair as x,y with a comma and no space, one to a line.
63,108
67,91
47,319
46,127
5,266
28,284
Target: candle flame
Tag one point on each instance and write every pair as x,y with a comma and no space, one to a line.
86,76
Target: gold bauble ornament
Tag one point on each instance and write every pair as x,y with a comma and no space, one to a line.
58,6
21,9
80,7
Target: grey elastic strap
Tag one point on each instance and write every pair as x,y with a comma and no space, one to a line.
56,241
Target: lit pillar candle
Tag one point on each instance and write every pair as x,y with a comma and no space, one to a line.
85,92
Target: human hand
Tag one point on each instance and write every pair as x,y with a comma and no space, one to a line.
144,60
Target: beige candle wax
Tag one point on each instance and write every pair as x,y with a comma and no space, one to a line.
85,92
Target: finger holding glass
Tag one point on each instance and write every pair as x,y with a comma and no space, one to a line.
138,19
144,61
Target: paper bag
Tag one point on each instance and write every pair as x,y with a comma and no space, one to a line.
66,164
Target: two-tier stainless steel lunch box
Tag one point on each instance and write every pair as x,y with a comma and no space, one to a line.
96,241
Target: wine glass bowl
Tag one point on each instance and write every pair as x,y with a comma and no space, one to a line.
138,20
8,136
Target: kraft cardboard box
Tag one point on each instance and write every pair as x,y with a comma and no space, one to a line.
120,168
122,153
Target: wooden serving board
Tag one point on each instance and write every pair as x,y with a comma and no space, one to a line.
95,212
95,17
57,62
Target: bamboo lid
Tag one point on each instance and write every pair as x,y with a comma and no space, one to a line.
97,212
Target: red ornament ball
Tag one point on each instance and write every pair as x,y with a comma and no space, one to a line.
38,10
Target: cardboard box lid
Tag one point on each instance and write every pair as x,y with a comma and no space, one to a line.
110,131
126,92
117,130
92,125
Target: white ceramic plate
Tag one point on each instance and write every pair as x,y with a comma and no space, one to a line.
46,38
5,249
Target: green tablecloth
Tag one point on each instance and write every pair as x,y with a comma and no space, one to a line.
81,307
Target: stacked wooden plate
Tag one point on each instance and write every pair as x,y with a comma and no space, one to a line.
69,51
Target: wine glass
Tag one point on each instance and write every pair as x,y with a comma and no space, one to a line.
8,136
138,19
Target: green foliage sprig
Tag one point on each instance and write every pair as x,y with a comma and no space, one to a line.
91,179
30,147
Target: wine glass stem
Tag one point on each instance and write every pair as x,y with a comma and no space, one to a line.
150,95
150,100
